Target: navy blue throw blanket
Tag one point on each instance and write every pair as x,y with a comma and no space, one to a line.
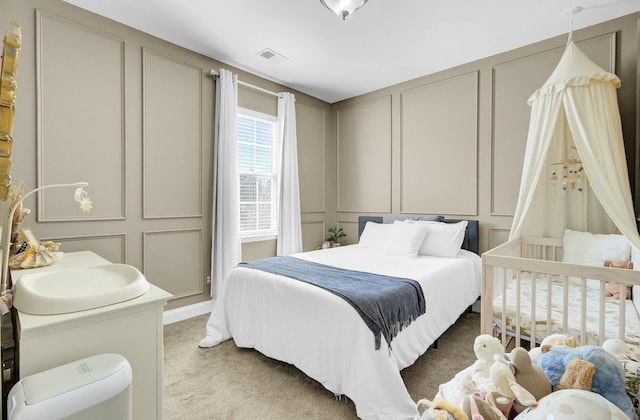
386,304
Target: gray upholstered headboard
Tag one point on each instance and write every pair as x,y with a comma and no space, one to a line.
471,236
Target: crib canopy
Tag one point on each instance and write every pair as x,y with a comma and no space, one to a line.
575,172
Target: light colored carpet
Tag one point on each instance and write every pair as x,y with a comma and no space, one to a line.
230,383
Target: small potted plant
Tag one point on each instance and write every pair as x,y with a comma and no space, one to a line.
334,236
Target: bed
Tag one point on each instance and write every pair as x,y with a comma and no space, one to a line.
534,287
322,335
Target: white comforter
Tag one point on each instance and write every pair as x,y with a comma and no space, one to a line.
324,336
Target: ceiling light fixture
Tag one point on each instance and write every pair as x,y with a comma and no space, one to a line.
343,8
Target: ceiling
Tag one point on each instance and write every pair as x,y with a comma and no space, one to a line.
383,43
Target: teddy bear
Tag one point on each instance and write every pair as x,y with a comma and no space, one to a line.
613,289
589,368
485,347
440,409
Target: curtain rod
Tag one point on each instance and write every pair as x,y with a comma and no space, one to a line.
214,73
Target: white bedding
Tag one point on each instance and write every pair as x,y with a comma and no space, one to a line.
324,336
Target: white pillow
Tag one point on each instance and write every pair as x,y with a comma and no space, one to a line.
406,238
375,235
594,249
443,239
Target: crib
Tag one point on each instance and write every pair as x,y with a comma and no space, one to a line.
528,293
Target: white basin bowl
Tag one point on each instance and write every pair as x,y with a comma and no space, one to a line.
78,289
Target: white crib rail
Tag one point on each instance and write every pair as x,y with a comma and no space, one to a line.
540,258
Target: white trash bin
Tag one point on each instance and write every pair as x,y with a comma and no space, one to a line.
98,387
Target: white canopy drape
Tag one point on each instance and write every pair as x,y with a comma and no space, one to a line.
289,225
575,112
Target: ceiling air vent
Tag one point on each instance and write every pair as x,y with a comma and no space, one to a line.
271,55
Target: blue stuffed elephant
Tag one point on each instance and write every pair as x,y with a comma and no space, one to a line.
590,368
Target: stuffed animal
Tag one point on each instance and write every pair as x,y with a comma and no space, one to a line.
504,381
616,347
629,357
440,409
478,409
457,388
572,404
590,368
529,376
486,347
550,341
613,289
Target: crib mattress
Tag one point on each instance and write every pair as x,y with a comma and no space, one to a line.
574,309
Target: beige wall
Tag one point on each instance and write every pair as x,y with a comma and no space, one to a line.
132,115
452,143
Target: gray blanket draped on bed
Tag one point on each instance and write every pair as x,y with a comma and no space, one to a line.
386,304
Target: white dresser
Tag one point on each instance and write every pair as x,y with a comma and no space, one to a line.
132,328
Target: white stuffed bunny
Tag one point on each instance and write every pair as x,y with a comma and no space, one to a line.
487,348
506,385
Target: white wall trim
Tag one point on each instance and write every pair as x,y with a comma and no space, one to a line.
186,312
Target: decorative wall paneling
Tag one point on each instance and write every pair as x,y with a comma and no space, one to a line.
80,118
174,261
313,234
443,124
364,156
112,247
312,165
498,236
133,115
54,104
311,156
351,229
172,137
439,143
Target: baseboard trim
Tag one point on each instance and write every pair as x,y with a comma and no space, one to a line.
186,312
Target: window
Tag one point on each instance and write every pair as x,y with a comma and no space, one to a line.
258,172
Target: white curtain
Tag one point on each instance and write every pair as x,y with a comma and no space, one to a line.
289,227
226,251
577,104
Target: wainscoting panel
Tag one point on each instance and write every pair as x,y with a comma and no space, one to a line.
351,229
111,247
511,113
364,132
173,260
80,106
311,156
498,236
439,157
172,138
313,235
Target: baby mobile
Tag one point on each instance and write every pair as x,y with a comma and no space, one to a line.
570,173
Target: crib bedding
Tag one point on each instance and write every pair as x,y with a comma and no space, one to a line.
324,336
558,283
